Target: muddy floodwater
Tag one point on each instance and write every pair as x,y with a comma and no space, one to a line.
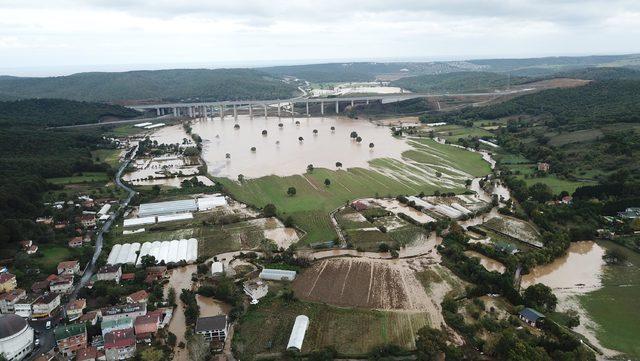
580,268
489,263
280,152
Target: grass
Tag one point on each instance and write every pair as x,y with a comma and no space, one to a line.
266,327
558,185
313,201
86,177
52,255
407,234
109,156
614,307
368,240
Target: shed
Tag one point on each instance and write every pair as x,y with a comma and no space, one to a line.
531,316
217,268
298,332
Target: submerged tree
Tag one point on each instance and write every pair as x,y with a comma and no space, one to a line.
333,128
353,135
280,125
291,191
300,139
358,139
371,145
327,182
237,126
228,155
264,132
310,168
240,178
338,165
253,149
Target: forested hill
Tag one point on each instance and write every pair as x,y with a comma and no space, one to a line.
171,85
600,102
57,112
601,73
458,82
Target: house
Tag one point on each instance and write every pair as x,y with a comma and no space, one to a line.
70,338
630,213
69,267
531,317
131,310
45,305
7,282
115,325
140,296
26,244
32,250
543,167
87,220
24,307
212,328
155,273
40,286
128,277
90,353
76,308
75,242
62,284
9,299
91,317
146,327
120,344
44,220
109,273
217,269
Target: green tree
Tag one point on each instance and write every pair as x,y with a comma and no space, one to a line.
327,182
269,210
541,192
291,191
147,261
430,343
310,168
353,135
338,165
151,354
540,296
241,178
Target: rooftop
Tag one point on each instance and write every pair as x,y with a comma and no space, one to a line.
109,269
138,296
119,338
67,264
66,331
124,322
204,324
4,277
531,314
10,325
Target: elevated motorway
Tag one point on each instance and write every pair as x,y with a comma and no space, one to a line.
198,109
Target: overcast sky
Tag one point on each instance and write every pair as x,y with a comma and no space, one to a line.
62,36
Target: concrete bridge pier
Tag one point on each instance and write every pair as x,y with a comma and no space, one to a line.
367,101
352,103
337,107
322,108
221,111
235,112
250,111
278,110
307,104
158,111
265,110
175,112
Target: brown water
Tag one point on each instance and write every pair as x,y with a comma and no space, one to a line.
489,263
579,269
280,152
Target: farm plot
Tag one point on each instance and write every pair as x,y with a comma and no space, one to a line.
367,283
515,228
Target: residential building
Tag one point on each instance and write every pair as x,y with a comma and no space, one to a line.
88,220
146,327
630,213
7,282
140,296
543,167
91,317
32,250
131,310
128,277
44,220
90,353
62,284
69,267
24,307
120,345
76,308
531,317
114,325
70,338
256,289
45,305
9,299
212,328
109,273
40,287
75,242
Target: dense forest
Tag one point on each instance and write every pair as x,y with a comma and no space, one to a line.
601,73
29,153
554,64
458,82
176,84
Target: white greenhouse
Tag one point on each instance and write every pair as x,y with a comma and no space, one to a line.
298,332
171,207
277,274
134,222
207,203
171,251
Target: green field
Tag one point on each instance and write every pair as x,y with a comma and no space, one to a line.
614,307
313,201
52,255
109,156
556,184
86,177
266,327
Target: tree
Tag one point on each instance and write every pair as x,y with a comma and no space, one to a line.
198,348
171,296
151,354
614,256
468,182
264,132
269,210
240,178
333,128
430,343
300,139
291,191
353,135
310,168
237,126
253,149
172,339
327,182
148,261
280,125
338,165
315,132
371,145
438,174
358,139
541,192
228,155
540,296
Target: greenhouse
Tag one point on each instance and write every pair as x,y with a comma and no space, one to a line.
171,207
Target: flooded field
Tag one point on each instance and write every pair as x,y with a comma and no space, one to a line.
579,269
280,151
488,263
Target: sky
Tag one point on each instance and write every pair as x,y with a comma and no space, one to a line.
54,37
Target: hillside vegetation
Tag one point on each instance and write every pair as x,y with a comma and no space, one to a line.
458,82
176,84
57,112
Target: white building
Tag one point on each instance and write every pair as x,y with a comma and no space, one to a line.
256,289
16,337
298,332
217,269
277,274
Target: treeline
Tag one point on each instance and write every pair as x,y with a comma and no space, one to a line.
458,82
175,84
583,107
57,112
